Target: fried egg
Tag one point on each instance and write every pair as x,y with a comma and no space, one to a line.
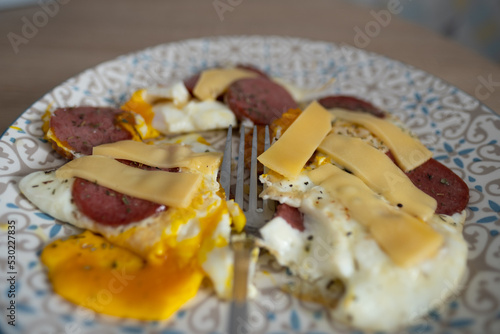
337,262
149,268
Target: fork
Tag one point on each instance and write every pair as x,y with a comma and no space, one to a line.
256,217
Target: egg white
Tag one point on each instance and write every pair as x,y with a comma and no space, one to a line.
194,116
176,112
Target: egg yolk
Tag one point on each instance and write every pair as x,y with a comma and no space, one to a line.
140,106
91,272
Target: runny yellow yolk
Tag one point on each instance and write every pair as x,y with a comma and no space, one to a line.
91,272
140,106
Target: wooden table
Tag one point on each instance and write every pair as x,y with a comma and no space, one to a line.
75,35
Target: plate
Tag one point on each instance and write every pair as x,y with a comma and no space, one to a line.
462,133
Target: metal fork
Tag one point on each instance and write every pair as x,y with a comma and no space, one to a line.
256,217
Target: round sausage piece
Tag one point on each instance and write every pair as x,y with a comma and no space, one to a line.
191,82
350,103
441,183
259,100
252,68
291,215
82,128
112,208
109,207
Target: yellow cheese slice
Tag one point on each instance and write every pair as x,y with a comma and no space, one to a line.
406,239
409,152
378,171
321,173
171,189
288,155
161,155
215,81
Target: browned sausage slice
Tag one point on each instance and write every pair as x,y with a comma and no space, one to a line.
291,215
109,207
441,183
190,82
258,99
252,68
350,103
82,128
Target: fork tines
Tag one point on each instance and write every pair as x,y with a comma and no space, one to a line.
256,216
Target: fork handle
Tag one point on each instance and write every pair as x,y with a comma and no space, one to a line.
238,322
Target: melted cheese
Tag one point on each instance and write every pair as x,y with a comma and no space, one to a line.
378,171
91,272
214,82
161,155
289,154
171,189
409,152
406,239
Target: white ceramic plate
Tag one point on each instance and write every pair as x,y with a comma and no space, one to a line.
462,133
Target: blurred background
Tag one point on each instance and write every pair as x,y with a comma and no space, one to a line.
48,41
472,23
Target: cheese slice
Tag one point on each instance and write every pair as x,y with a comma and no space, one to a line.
378,171
409,152
215,81
288,155
406,239
321,173
171,189
160,155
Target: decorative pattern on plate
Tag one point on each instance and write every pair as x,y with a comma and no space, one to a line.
462,133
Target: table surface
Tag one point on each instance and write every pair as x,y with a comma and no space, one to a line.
81,34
